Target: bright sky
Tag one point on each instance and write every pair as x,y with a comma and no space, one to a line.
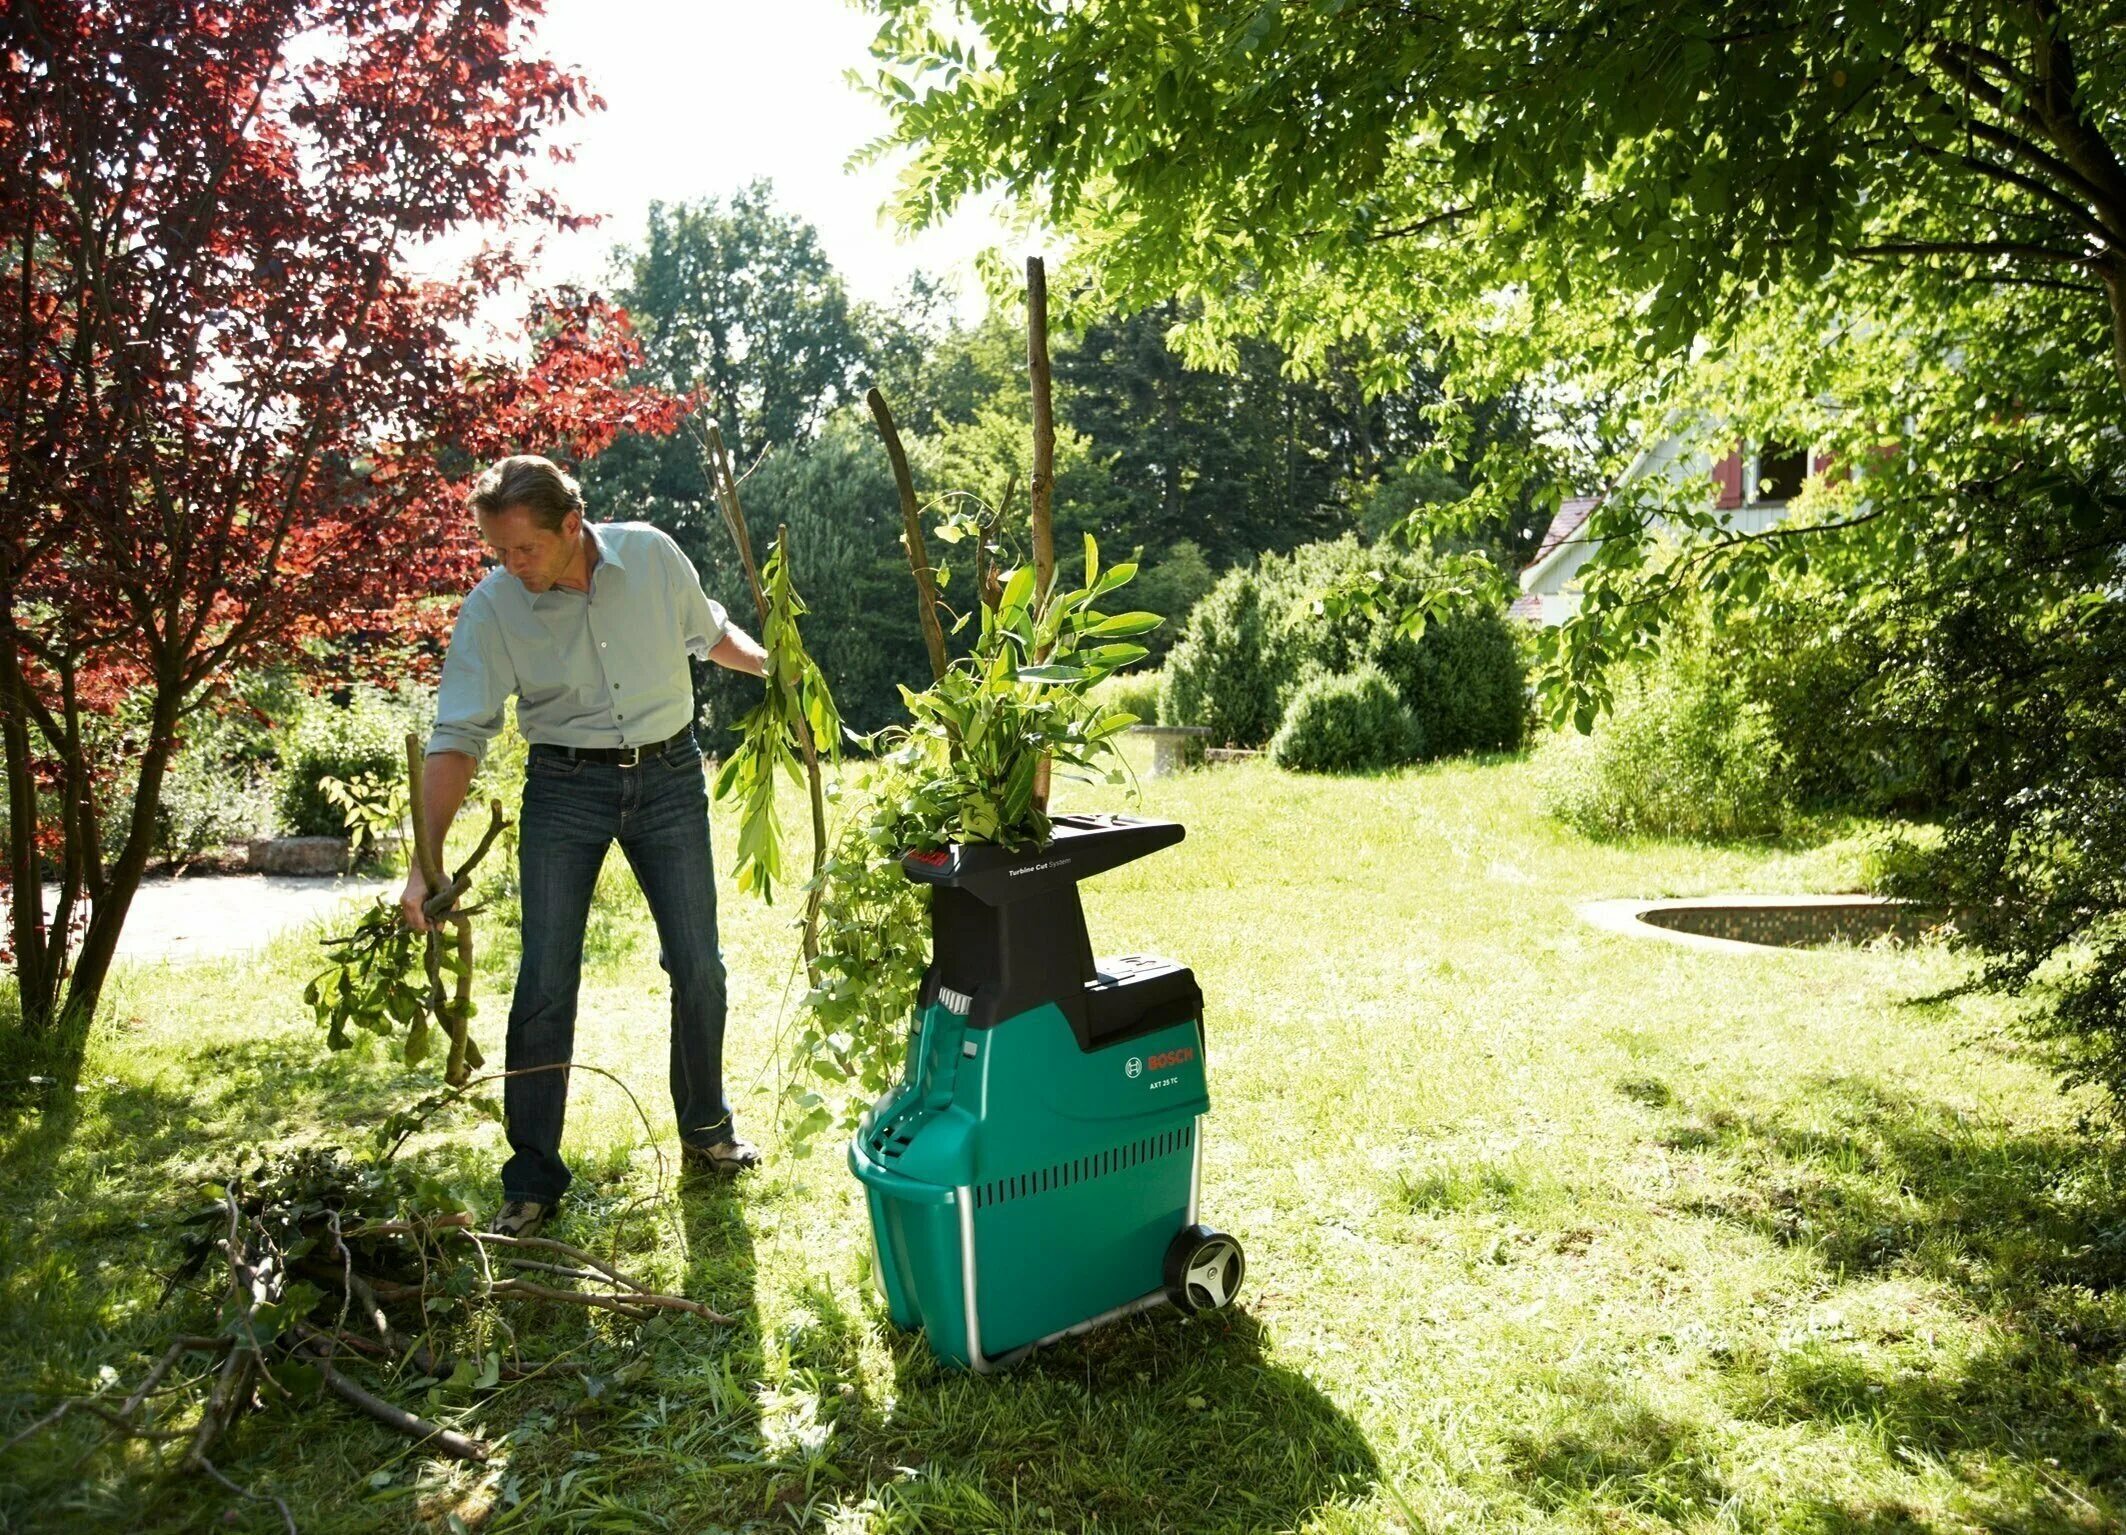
702,96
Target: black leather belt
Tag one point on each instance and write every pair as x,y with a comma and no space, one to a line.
618,756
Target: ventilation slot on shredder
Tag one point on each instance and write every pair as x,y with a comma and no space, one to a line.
1064,1174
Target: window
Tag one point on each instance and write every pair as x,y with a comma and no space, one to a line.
1781,471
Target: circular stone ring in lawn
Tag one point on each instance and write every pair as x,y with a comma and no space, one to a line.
1738,923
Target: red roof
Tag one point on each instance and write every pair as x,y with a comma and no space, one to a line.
1572,513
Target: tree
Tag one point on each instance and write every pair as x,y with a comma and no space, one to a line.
1893,233
234,414
739,303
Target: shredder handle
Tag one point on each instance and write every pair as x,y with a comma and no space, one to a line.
899,1185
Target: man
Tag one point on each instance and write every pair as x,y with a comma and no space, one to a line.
589,627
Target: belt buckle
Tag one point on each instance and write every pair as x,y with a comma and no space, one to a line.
633,757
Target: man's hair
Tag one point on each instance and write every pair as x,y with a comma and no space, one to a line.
534,483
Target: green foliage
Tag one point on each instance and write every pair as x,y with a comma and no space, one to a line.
835,494
1133,692
1333,607
1228,673
1424,620
364,735
739,301
874,945
1171,586
1348,723
976,738
1686,753
375,983
373,807
963,769
1464,678
770,739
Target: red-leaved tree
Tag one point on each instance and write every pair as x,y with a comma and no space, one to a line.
234,418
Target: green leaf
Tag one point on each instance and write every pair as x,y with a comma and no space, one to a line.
1018,591
1122,625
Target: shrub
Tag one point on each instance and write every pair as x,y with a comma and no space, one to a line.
1686,753
1138,692
1464,677
367,734
1171,585
1229,672
208,803
1346,724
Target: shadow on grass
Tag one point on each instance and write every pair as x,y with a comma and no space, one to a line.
2028,1230
1153,1423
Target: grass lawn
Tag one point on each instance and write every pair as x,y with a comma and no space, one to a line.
1547,1228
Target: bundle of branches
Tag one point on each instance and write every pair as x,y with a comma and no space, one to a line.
370,982
330,1277
796,719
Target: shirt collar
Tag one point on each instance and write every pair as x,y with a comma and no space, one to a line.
608,547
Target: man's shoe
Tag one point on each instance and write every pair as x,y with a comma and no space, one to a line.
726,1159
519,1218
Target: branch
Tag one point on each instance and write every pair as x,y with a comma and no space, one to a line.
1042,516
428,1435
912,534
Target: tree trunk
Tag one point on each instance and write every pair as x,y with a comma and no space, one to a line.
107,916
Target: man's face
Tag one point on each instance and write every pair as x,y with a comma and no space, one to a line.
533,554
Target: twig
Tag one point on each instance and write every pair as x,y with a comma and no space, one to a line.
816,786
548,1244
912,535
214,1471
716,460
636,1303
446,1441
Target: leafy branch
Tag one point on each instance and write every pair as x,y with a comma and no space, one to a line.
371,982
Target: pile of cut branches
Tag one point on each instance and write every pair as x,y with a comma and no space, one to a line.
358,1281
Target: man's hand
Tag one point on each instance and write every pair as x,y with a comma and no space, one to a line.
412,899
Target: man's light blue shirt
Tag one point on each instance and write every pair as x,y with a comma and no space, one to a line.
602,667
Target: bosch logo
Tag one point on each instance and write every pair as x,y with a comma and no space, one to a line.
1179,1057
1134,1069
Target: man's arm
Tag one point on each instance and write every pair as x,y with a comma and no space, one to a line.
478,679
706,629
740,652
446,777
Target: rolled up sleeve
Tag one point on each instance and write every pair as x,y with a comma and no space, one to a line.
478,682
702,620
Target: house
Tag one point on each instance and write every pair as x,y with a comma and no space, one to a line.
1751,489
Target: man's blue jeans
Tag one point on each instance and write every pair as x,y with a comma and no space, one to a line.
573,811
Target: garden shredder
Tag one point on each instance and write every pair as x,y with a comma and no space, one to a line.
1036,1171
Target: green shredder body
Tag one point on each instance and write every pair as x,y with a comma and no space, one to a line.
1037,1169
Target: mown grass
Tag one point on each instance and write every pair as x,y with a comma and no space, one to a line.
1547,1228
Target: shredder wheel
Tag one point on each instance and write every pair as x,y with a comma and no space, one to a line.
1203,1269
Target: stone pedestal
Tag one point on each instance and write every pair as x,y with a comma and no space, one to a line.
317,856
1174,747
